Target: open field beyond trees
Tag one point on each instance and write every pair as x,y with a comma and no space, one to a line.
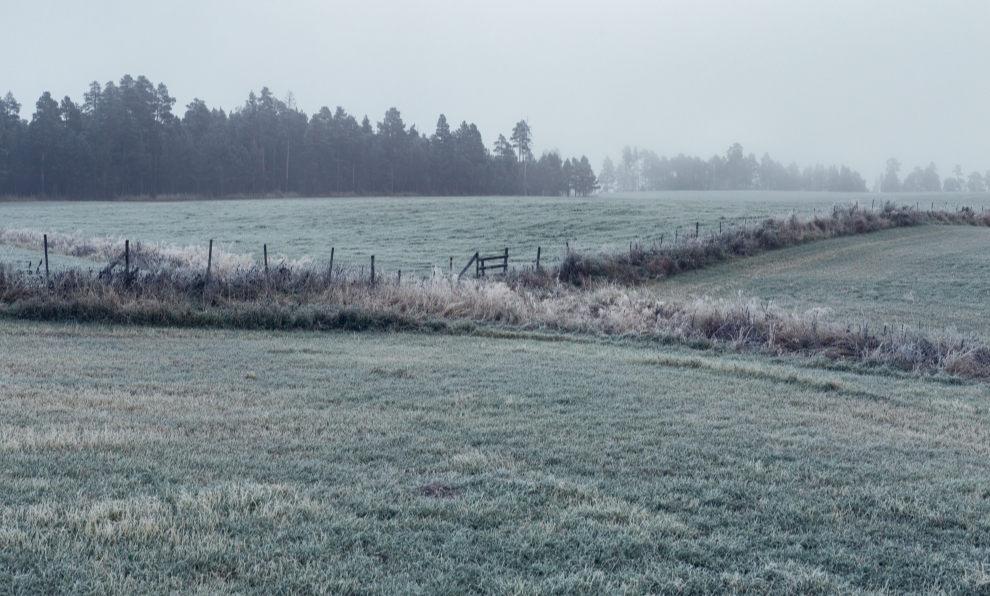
137,460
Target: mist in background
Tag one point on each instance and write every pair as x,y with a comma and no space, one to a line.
837,82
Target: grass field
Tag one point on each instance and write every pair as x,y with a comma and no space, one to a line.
414,234
929,277
581,456
135,460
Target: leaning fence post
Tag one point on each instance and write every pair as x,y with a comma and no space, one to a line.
331,262
372,269
47,277
468,266
209,261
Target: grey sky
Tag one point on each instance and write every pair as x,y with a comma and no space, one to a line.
831,81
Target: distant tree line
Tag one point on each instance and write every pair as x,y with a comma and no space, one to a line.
928,180
124,139
645,170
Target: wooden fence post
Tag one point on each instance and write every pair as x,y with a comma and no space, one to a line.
451,267
537,257
331,263
697,229
209,261
47,277
399,283
372,269
127,260
266,260
468,266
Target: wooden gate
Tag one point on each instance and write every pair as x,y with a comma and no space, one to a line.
482,265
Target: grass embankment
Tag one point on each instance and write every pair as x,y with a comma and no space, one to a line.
140,461
928,277
644,263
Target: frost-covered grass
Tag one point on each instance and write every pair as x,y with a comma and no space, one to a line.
136,460
417,233
927,277
580,295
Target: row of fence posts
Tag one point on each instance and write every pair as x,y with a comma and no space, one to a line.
539,250
209,260
209,257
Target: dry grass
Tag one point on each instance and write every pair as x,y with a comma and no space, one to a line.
144,256
291,299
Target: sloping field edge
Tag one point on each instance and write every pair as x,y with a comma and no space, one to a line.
649,263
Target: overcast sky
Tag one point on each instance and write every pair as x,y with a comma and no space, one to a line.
837,81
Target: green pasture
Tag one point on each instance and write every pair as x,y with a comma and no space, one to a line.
150,461
928,277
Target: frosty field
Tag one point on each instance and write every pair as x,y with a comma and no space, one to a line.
414,234
555,443
927,277
137,461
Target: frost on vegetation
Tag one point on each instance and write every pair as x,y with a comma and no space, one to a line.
69,438
178,517
581,295
147,256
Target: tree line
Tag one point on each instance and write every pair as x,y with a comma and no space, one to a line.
645,170
928,180
124,139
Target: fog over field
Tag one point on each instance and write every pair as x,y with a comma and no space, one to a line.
834,82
